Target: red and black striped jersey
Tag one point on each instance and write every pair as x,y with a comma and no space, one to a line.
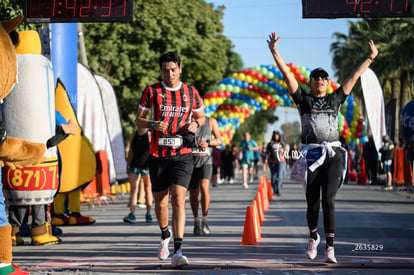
173,105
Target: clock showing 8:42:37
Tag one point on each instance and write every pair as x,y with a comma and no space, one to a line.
55,11
357,8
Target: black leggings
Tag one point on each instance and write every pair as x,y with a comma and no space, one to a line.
328,178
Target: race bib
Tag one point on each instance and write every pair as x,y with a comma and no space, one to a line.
200,153
171,142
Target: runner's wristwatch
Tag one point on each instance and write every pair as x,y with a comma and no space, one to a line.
151,124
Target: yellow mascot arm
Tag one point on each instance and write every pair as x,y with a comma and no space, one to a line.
17,152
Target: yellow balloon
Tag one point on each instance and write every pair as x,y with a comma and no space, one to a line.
330,90
354,123
357,110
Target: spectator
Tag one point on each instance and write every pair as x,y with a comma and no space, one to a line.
137,168
248,146
263,156
227,164
215,178
371,160
387,157
275,159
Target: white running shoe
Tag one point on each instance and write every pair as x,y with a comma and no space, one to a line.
245,186
163,251
312,250
204,228
178,259
330,255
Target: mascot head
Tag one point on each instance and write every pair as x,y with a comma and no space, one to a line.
8,64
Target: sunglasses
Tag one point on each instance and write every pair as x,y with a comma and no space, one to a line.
318,76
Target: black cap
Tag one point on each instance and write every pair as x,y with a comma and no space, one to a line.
318,72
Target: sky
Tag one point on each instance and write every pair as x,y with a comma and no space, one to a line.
304,42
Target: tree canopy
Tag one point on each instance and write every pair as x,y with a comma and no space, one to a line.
127,53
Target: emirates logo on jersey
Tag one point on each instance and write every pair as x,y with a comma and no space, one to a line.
173,111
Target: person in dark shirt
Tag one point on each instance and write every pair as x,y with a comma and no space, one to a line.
324,166
387,157
370,155
275,159
227,163
137,168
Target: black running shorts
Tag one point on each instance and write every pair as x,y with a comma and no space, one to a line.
170,170
200,173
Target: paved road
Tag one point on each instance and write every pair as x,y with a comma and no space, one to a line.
366,217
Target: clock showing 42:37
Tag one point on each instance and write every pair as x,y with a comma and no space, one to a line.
53,11
357,8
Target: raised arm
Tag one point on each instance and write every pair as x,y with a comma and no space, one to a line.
349,83
290,80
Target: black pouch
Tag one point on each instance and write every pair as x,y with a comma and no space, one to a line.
313,155
189,139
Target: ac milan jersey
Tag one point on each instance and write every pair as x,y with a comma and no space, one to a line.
173,105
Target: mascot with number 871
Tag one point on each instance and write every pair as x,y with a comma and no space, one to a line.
14,152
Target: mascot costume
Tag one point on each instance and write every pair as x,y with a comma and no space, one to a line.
78,167
14,152
34,122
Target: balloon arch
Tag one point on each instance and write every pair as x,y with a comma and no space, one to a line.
252,90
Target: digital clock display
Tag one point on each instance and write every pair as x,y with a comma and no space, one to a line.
55,11
357,8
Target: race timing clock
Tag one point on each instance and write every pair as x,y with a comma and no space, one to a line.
55,11
357,8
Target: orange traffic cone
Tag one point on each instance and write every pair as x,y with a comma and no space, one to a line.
256,221
260,208
269,190
265,179
249,234
265,201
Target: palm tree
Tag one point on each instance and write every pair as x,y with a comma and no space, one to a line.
395,40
